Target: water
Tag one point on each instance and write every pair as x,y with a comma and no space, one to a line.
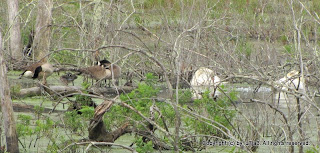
255,120
262,123
258,123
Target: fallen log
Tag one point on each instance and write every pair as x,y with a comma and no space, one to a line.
65,90
111,90
36,91
29,108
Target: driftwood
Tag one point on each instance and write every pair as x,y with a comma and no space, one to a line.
36,91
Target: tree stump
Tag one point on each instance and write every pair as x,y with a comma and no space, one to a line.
97,130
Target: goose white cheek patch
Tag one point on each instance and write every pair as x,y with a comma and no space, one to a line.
28,74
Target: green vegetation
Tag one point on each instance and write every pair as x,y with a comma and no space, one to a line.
23,128
245,48
184,96
314,149
77,123
218,111
15,89
235,38
144,147
141,98
289,49
43,128
64,56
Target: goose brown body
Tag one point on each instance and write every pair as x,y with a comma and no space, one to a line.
103,70
115,71
38,70
96,72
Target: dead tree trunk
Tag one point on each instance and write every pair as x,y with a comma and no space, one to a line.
14,29
41,42
6,107
98,132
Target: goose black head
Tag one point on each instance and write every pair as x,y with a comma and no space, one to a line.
103,62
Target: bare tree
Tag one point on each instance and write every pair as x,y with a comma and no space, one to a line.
14,29
6,107
41,41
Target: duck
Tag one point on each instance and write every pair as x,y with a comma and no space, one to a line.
67,78
40,70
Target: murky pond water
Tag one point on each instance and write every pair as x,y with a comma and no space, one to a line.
255,121
270,123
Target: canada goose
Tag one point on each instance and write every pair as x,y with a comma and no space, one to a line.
96,72
104,62
67,78
114,70
204,79
27,50
38,70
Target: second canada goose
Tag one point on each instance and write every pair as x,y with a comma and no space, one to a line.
114,70
96,72
67,78
27,50
115,73
104,62
38,70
